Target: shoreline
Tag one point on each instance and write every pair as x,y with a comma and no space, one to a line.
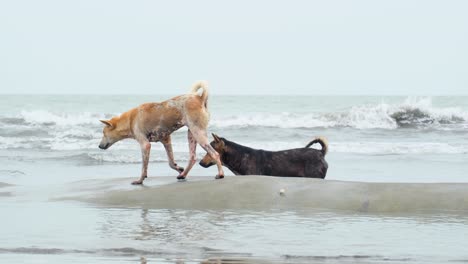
267,193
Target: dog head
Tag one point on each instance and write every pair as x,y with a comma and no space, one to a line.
111,133
219,145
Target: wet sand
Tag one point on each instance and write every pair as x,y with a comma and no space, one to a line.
266,193
96,216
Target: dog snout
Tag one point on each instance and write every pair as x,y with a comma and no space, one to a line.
104,146
205,164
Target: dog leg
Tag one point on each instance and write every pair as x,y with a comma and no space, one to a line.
202,139
170,155
145,153
192,158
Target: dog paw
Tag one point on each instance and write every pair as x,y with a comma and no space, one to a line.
138,182
180,169
180,177
219,177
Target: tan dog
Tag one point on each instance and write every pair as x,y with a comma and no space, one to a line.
154,122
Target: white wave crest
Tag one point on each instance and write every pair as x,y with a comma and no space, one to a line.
413,112
23,143
180,148
119,157
281,120
417,112
385,148
42,117
371,148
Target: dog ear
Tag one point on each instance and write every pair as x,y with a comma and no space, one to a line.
216,138
107,123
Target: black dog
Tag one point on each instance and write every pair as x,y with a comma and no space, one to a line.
300,162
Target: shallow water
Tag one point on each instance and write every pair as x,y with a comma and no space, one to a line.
79,233
394,190
41,223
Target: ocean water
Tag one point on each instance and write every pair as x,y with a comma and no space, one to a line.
48,144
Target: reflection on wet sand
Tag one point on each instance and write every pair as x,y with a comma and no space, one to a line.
176,225
174,234
245,224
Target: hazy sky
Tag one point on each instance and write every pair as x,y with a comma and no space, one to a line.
240,47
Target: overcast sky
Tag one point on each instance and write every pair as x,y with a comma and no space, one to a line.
240,47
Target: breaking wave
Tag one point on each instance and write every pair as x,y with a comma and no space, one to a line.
417,113
47,119
413,112
46,130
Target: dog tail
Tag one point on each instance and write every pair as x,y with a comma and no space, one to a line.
204,96
322,141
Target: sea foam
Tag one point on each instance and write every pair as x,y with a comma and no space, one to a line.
82,131
413,112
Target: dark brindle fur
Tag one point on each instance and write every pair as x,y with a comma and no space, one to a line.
242,160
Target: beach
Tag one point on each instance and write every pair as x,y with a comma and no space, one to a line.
395,190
